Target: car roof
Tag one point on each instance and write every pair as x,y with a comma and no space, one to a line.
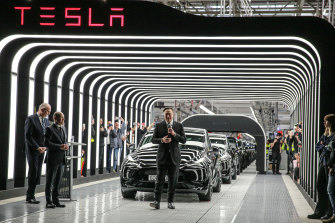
188,129
211,135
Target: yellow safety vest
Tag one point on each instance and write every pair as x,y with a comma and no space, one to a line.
267,148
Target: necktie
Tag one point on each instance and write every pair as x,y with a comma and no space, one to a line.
43,125
61,132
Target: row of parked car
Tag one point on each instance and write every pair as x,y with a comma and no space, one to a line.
207,160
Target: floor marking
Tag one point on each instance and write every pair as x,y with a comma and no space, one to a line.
301,206
41,194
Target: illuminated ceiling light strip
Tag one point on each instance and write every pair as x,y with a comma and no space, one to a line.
206,110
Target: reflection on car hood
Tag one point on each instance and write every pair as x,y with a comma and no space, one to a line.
147,154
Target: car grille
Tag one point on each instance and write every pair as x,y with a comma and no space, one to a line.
147,157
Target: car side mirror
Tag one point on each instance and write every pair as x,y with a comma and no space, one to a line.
131,148
215,149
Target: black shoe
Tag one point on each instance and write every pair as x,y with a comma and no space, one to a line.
155,205
50,205
171,205
326,216
59,205
278,173
314,216
32,201
329,220
273,173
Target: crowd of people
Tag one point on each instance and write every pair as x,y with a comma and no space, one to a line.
117,135
291,144
42,136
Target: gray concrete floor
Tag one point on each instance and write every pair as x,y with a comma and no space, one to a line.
251,198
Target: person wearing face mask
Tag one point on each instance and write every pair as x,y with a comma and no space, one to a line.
168,134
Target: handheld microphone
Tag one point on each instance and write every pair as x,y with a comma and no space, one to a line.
169,126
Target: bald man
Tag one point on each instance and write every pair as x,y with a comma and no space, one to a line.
34,132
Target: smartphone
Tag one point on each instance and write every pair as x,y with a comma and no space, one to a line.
84,125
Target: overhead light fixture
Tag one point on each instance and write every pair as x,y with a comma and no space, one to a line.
206,110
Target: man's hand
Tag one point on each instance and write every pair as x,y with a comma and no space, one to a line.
171,131
165,139
41,149
122,120
64,147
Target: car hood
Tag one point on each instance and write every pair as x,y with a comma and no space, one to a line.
146,155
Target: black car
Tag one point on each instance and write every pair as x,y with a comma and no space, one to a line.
233,151
220,141
199,170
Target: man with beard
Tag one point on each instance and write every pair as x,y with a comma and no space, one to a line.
167,134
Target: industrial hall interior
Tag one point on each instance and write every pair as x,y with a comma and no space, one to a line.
167,111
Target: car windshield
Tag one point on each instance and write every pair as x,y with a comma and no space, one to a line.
231,140
218,141
193,141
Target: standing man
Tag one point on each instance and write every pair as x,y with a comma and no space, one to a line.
118,141
103,134
110,145
55,140
167,134
276,153
34,131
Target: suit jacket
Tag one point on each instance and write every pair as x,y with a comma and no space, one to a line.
119,133
53,140
33,132
102,136
168,149
111,136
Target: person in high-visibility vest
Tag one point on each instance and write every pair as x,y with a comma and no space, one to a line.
291,143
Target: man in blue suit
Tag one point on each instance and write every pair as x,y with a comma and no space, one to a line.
34,131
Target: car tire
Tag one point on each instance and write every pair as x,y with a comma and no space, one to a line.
208,195
217,188
227,181
128,194
238,170
235,174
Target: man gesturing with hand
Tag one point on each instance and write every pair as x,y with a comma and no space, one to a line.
167,134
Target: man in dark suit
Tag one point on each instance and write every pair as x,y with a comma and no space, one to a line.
167,134
55,141
103,134
34,131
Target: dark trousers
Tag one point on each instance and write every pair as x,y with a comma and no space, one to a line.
172,172
35,161
276,158
289,160
109,157
101,159
323,206
53,177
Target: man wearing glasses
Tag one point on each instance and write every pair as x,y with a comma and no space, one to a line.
34,131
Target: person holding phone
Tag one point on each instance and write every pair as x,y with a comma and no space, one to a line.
56,142
276,153
168,134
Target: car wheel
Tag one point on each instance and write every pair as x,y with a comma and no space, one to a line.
217,188
227,181
128,194
208,195
238,170
235,173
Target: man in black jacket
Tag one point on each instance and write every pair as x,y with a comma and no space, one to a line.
103,134
55,140
34,131
167,134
